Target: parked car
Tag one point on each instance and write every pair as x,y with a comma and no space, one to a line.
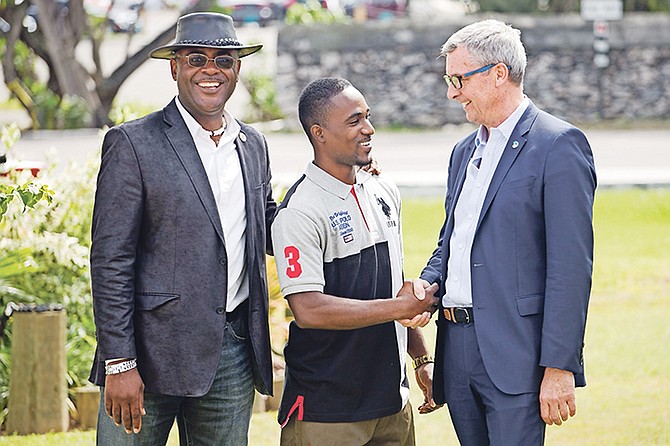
122,15
125,16
378,9
282,6
249,11
30,19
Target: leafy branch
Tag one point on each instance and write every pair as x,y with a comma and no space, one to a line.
29,193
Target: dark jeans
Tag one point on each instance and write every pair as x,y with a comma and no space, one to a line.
221,417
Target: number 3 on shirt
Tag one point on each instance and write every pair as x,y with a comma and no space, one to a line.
294,269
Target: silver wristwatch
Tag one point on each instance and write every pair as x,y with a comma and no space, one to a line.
120,367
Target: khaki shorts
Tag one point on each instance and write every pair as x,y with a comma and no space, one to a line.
394,430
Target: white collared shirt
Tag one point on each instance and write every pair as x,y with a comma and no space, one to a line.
224,172
489,149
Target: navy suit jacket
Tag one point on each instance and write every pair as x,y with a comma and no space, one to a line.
532,254
158,255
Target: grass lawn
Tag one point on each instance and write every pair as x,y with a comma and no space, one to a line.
627,356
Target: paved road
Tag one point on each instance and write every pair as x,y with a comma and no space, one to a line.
417,160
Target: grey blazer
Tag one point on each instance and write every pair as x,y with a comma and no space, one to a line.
158,256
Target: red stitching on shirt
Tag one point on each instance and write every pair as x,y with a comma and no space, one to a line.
299,404
353,192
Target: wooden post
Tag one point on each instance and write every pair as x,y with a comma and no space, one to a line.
37,380
87,403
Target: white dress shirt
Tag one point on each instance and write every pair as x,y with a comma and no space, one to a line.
222,165
481,167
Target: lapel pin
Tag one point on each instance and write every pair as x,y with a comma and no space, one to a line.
243,137
515,144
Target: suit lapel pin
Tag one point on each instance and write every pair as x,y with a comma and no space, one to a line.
515,144
243,137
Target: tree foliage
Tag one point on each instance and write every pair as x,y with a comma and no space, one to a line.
29,193
86,94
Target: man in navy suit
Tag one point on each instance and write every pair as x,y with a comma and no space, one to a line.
180,230
515,253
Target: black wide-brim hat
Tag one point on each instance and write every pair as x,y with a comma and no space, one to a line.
205,30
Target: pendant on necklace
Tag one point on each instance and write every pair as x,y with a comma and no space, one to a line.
217,132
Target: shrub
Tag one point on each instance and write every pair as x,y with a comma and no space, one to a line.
45,253
263,105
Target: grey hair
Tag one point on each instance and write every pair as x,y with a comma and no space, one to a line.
491,41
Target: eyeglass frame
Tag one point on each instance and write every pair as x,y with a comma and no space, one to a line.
221,56
449,79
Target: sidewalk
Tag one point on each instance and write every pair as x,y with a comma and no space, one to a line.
417,160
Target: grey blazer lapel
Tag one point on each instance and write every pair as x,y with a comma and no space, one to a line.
250,176
180,138
517,141
246,163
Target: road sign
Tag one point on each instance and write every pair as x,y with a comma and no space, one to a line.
602,9
601,28
601,44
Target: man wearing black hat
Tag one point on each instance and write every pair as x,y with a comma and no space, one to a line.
179,235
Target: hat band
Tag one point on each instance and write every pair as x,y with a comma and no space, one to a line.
218,42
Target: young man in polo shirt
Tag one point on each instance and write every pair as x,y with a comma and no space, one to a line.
338,248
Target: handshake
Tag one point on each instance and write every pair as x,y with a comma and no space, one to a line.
419,302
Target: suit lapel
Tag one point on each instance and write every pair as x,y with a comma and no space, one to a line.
245,162
248,151
180,138
515,144
457,187
248,175
460,178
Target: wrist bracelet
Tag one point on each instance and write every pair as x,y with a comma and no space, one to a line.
421,360
120,367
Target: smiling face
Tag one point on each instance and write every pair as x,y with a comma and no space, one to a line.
204,91
345,138
480,96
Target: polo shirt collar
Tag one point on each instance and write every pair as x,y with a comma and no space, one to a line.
331,184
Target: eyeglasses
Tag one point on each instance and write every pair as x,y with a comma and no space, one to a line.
456,80
197,60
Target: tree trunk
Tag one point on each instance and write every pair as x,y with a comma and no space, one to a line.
61,40
108,88
55,42
14,84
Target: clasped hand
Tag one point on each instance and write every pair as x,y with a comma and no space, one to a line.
420,296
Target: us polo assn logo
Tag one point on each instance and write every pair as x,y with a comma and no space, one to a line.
386,209
341,222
